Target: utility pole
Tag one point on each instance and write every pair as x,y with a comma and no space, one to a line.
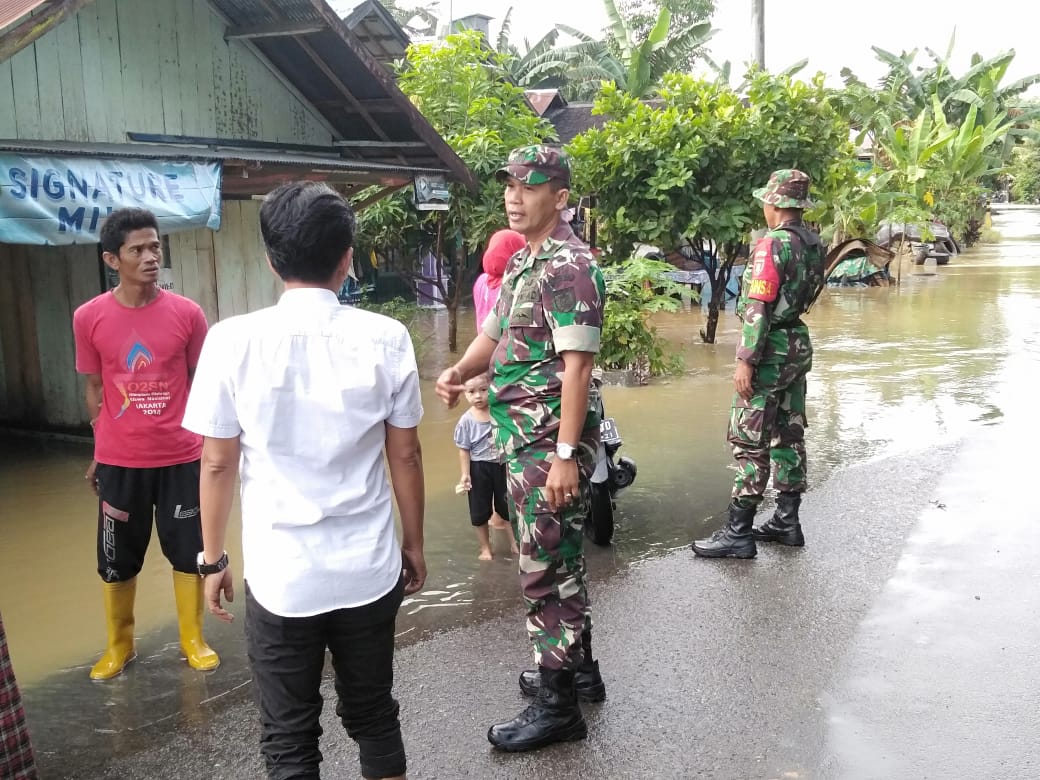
758,29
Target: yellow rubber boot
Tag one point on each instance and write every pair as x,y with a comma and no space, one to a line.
187,589
119,618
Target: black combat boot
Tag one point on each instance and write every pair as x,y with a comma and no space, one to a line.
587,680
588,684
732,541
784,526
554,716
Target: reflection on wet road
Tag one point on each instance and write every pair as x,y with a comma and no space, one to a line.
897,370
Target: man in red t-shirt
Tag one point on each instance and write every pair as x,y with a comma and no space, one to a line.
138,346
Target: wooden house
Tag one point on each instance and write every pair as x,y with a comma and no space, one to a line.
250,93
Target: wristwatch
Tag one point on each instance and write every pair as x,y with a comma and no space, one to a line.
564,451
211,568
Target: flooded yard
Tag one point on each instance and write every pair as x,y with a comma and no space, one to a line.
896,369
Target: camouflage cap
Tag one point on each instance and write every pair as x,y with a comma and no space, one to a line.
537,164
787,189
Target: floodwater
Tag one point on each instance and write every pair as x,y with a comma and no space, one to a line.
897,369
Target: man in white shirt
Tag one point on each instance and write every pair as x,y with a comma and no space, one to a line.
308,394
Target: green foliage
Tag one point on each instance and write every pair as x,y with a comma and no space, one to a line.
963,132
641,15
908,89
858,204
687,168
635,56
943,165
635,291
460,87
539,65
1024,171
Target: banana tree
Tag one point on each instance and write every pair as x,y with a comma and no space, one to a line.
635,66
540,65
906,149
941,164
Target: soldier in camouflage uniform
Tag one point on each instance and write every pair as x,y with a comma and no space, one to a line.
767,420
541,340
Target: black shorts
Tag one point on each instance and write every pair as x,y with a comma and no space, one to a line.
129,499
488,490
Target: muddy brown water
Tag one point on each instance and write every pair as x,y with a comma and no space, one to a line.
897,369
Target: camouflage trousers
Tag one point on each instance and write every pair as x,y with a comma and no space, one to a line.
552,564
769,429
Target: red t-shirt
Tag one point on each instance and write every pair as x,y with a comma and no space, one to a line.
143,356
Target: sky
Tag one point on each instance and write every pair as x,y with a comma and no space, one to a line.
831,33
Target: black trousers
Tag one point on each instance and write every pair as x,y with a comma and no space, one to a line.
127,501
287,656
488,487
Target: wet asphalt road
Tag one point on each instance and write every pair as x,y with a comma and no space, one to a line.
901,642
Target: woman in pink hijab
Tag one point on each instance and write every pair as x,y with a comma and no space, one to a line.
502,245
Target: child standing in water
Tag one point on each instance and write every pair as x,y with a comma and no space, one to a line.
483,475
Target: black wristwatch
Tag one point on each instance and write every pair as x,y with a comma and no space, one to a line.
211,568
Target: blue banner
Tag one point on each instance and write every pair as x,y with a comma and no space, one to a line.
64,200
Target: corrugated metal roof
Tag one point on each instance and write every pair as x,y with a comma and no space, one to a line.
200,153
246,171
12,10
344,80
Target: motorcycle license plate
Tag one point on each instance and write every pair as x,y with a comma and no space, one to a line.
608,431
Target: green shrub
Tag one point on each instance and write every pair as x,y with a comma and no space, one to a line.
635,291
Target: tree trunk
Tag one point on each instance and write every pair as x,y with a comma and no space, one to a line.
453,325
719,279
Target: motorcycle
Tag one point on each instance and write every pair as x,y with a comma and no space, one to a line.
609,478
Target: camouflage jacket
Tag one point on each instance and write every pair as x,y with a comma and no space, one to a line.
551,302
777,287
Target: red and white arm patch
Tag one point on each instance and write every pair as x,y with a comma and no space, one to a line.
765,278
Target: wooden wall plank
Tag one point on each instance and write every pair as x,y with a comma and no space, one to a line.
227,258
84,275
113,106
142,108
8,126
72,74
187,65
258,285
223,123
48,268
184,263
12,397
84,284
171,68
94,74
207,271
203,25
26,94
48,71
3,374
244,106
25,386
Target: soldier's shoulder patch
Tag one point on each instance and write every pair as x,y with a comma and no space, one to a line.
765,278
564,300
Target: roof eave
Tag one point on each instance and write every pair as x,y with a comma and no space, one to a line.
24,33
422,127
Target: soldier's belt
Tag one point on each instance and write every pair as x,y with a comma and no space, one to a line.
787,325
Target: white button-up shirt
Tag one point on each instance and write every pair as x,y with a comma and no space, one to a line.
307,386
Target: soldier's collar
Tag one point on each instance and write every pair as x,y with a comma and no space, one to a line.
561,234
